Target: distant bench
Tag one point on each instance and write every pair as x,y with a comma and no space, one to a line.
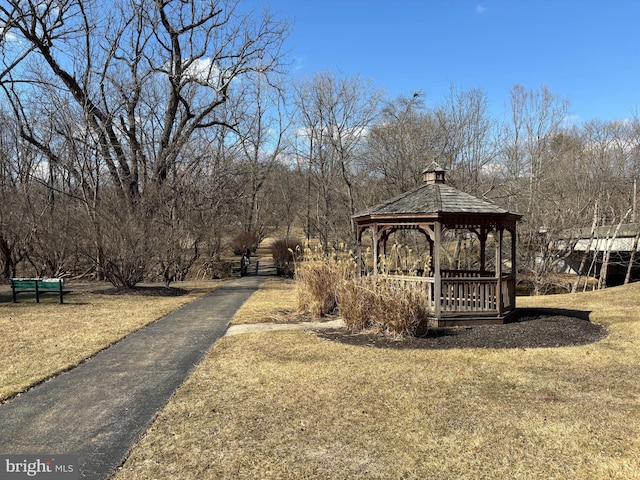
37,285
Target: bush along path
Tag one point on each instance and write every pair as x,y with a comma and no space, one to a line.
98,410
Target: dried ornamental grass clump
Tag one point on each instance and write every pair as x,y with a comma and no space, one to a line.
376,303
326,282
402,259
404,311
357,301
318,275
315,293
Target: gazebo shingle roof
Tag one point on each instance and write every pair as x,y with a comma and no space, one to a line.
438,198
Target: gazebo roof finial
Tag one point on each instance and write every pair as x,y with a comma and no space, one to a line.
433,174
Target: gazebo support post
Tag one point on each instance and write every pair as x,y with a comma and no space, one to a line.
375,235
428,233
384,238
512,281
483,250
499,302
513,250
359,260
437,280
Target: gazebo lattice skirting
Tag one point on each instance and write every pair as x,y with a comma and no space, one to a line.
456,297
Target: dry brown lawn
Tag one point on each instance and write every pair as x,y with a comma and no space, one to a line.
39,340
273,302
292,405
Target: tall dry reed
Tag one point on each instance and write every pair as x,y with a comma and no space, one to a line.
326,283
376,303
318,275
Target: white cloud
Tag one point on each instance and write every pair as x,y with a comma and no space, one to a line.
349,134
204,71
570,120
480,9
493,169
6,35
299,63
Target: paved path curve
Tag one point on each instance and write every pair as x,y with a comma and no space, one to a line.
99,409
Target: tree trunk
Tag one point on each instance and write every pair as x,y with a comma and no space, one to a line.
8,266
632,257
583,260
602,282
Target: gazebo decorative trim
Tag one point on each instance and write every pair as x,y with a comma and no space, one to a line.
456,297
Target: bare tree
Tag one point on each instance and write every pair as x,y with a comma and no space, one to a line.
13,230
145,78
458,134
334,115
465,139
135,83
261,127
401,144
530,164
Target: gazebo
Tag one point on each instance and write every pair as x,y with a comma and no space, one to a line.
484,293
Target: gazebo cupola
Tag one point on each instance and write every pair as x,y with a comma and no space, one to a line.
482,294
433,174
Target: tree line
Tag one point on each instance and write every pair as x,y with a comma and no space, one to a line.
138,139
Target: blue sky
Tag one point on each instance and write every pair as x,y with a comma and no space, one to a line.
587,51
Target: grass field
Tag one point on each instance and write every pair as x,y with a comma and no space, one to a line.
274,302
40,340
289,405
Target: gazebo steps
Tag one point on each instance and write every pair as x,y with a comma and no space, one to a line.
466,319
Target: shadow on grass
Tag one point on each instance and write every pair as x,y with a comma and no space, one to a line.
52,297
5,297
154,291
525,314
30,297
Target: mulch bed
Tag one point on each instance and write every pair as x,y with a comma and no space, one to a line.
533,329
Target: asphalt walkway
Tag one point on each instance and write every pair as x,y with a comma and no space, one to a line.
99,410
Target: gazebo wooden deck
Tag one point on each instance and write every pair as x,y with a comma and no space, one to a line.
456,297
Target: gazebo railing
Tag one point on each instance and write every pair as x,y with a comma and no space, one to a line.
469,294
460,294
408,282
465,274
479,294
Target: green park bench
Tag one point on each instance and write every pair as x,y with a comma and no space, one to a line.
37,285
